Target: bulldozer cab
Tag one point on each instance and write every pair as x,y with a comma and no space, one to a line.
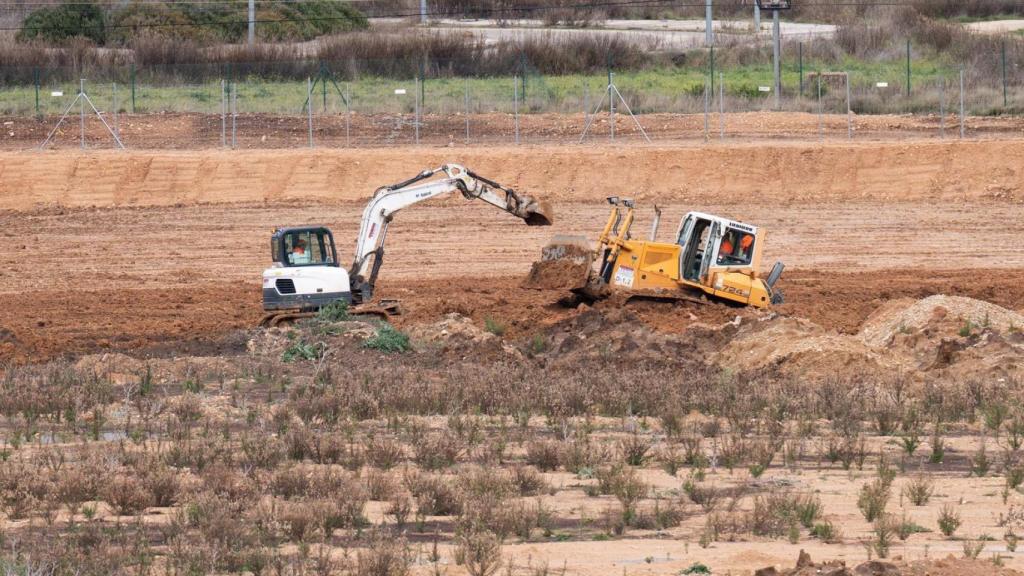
708,241
308,246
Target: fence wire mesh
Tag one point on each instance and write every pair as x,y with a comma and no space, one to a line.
716,94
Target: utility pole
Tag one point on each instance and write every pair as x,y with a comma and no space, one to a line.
252,22
776,50
709,33
423,11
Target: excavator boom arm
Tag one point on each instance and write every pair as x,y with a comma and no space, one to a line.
387,201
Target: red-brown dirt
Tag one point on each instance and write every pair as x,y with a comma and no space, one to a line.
186,131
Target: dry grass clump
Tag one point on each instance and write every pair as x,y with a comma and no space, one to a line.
275,465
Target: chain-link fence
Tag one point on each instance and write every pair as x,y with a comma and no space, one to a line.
724,93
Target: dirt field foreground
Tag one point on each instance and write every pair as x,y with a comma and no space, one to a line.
870,425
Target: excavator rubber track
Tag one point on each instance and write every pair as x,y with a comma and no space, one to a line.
382,309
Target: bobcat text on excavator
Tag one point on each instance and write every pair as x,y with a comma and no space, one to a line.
712,257
307,276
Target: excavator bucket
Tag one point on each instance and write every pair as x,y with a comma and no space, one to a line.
566,264
537,213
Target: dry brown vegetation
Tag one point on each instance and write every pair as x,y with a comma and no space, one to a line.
359,462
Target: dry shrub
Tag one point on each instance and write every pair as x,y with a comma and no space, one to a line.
262,452
873,499
162,482
528,482
434,495
704,495
303,519
479,550
436,451
384,453
544,454
580,454
919,490
399,508
227,482
22,489
126,494
634,448
385,555
662,515
290,482
778,514
479,481
380,486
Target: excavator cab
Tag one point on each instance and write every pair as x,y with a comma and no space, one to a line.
304,247
305,274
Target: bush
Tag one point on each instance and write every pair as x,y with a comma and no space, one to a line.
919,490
873,499
65,21
333,312
949,520
388,340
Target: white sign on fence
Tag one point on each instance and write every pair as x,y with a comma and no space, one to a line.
764,88
881,84
400,91
56,94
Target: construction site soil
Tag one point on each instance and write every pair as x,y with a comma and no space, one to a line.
903,258
107,250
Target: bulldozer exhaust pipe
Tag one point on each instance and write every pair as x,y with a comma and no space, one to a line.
776,272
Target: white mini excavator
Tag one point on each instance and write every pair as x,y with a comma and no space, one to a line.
306,275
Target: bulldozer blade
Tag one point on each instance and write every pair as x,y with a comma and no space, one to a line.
566,264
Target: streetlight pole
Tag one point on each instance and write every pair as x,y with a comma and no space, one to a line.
709,33
252,22
776,50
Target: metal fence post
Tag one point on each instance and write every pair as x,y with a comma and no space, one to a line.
961,103
348,116
586,103
309,108
133,87
81,101
35,74
1004,73
416,115
849,111
223,114
515,105
908,67
467,110
234,115
721,106
942,109
821,119
611,103
706,108
117,129
801,59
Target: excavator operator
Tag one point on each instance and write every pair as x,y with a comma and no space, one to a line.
299,255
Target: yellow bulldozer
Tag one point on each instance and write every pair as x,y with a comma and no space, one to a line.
711,257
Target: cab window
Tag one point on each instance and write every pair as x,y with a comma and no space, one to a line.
737,248
308,248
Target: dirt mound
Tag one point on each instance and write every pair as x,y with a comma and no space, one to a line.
459,334
947,567
565,264
905,315
799,347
